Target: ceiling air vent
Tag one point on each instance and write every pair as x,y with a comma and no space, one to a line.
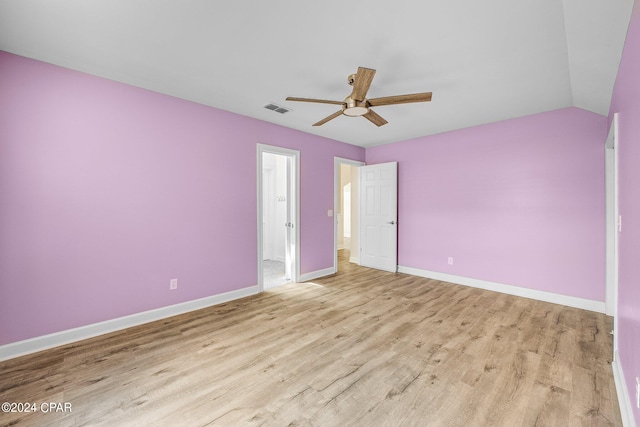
277,108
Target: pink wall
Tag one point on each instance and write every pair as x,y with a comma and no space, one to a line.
108,191
519,202
626,102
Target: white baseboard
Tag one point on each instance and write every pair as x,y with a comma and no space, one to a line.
355,260
316,274
624,399
585,304
32,345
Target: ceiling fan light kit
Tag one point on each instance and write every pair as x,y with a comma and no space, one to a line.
353,108
357,105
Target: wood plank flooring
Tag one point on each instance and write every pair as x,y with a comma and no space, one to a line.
361,348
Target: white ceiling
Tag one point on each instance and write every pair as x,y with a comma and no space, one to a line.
484,61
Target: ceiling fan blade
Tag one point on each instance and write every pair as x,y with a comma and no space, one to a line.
363,80
401,99
375,118
326,119
321,101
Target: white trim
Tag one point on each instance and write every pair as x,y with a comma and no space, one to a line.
317,274
337,161
354,260
624,398
295,154
20,348
585,304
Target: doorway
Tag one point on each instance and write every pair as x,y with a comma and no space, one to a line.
278,218
346,203
613,226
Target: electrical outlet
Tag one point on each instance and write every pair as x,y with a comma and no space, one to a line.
450,260
173,284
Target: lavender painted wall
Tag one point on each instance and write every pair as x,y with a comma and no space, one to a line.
519,202
626,102
108,191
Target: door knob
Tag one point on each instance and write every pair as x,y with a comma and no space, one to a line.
391,222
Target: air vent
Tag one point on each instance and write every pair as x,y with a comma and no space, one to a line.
277,108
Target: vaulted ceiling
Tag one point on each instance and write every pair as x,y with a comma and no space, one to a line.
484,61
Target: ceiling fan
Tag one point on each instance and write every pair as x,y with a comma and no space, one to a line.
357,104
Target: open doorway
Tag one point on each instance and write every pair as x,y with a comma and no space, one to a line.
613,227
277,216
346,225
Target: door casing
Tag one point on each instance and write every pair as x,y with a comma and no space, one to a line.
293,179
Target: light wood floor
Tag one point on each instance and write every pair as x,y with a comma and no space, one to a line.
363,348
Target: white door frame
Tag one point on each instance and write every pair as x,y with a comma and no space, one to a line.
337,191
294,155
613,224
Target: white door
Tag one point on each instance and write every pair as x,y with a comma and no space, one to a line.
289,241
379,216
